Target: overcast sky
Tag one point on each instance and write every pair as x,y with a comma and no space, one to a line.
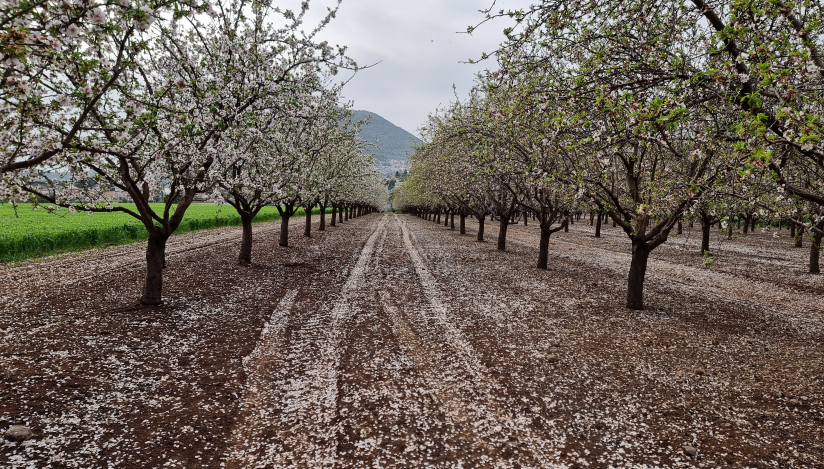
419,51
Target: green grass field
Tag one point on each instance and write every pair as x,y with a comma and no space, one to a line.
38,233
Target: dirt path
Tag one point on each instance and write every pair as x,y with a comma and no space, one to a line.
390,341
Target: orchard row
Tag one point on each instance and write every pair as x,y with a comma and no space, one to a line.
650,113
176,101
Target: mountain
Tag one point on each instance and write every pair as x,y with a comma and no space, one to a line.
395,143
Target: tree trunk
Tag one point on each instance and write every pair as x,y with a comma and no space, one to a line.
245,256
340,214
446,219
680,227
598,225
705,236
543,252
346,215
815,250
463,224
307,229
752,227
334,217
637,272
746,224
503,225
799,237
792,230
284,231
452,221
155,262
526,217
481,228
322,226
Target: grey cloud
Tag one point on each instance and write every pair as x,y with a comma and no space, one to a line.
419,50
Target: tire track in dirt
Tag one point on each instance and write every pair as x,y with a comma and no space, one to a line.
256,404
301,427
486,414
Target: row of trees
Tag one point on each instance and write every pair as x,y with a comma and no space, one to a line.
226,100
647,112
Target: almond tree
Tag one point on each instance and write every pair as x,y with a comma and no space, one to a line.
537,177
249,179
306,139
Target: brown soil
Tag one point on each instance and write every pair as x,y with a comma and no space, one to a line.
390,341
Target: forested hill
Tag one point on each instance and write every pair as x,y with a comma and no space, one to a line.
395,143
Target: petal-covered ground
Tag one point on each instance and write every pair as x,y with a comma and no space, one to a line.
390,341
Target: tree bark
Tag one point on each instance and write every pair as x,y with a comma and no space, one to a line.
598,225
155,263
792,230
526,217
543,254
637,272
346,211
680,227
452,221
463,223
245,256
815,250
503,226
705,235
322,226
284,232
799,237
746,224
481,228
307,229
